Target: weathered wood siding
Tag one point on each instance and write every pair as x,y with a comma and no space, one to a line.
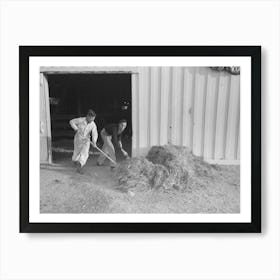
45,129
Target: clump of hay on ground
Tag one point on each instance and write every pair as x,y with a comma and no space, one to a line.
140,173
167,167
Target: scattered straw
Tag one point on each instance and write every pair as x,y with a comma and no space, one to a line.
167,167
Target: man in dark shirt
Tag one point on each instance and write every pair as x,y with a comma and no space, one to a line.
111,136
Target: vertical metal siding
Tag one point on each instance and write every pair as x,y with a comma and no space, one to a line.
143,110
221,119
191,106
154,106
233,118
188,104
199,110
210,115
164,105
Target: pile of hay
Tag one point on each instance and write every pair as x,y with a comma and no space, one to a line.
167,167
140,173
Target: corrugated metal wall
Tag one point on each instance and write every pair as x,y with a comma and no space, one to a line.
190,106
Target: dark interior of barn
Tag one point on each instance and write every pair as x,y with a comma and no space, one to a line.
72,95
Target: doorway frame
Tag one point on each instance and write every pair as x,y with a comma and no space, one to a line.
44,91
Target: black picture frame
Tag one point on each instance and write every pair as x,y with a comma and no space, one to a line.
25,52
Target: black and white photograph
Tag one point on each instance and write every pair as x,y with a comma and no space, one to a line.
140,139
175,151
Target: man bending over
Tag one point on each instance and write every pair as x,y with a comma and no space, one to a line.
111,135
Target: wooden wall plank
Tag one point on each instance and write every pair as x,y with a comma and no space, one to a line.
188,99
210,114
170,104
43,124
135,113
199,111
164,105
233,118
221,120
180,111
143,110
159,105
87,69
154,105
176,107
48,117
238,147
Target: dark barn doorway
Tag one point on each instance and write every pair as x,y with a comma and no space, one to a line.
71,95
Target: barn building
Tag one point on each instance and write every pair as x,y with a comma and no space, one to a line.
195,107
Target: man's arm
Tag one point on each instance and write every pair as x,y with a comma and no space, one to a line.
74,124
125,154
120,141
94,134
120,144
115,138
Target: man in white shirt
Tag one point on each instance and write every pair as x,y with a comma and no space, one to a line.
83,127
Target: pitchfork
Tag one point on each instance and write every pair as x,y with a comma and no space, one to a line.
103,153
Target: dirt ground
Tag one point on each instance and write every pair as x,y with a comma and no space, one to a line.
63,190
